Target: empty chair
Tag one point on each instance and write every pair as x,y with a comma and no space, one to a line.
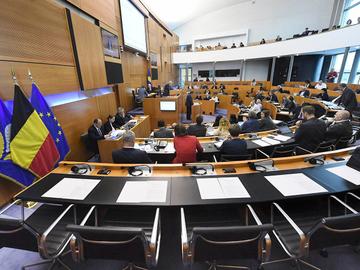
314,226
132,236
284,151
326,146
225,158
207,237
353,200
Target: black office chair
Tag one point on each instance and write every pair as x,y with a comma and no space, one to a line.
314,227
137,102
225,158
208,237
47,227
325,146
284,151
343,142
86,141
118,236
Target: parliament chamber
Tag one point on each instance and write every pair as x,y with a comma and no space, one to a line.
150,134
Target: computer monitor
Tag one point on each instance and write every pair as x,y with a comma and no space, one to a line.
167,106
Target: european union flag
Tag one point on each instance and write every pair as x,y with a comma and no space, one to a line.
8,169
47,116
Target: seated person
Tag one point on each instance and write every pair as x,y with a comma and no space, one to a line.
207,79
304,92
324,95
110,125
265,122
215,99
241,45
235,145
273,97
260,95
121,118
251,124
308,84
256,106
289,104
233,46
141,94
198,129
223,129
95,133
262,41
341,127
278,38
217,120
128,154
214,86
311,131
163,132
233,119
186,146
253,82
222,86
320,85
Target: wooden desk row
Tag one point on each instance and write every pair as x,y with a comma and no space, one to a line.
330,86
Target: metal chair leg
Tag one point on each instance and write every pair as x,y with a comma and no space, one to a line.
36,264
309,265
63,264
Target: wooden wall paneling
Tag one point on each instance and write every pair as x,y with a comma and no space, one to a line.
76,118
51,79
75,2
29,34
106,105
90,52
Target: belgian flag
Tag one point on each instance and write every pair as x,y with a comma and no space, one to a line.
31,144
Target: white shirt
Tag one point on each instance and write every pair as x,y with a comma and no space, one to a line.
320,86
256,108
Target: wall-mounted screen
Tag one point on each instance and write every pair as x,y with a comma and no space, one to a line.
133,26
227,73
168,106
110,44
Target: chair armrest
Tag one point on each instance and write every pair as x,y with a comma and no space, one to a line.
42,242
305,150
184,239
336,199
253,214
346,196
292,224
263,153
9,206
155,238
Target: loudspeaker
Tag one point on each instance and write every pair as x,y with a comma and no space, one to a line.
114,73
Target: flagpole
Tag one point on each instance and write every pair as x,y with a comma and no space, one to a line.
30,76
13,75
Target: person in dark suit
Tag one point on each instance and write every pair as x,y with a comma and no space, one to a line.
217,120
142,93
163,132
188,103
341,127
167,89
311,131
235,145
128,154
250,125
304,92
198,129
186,146
96,133
289,104
273,97
241,45
266,123
110,124
348,98
121,118
324,95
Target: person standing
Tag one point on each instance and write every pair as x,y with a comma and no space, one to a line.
188,103
348,98
331,76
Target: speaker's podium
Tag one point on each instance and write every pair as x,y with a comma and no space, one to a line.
163,108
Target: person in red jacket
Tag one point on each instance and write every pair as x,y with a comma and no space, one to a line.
186,146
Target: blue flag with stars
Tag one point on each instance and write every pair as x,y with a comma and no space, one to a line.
47,116
8,169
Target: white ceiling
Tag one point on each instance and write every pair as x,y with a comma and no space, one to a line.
175,13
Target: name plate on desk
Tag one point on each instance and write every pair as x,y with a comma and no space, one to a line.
295,184
221,188
72,189
143,191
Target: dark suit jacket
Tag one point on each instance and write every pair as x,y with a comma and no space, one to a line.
131,156
197,130
339,130
274,98
94,136
251,125
163,133
234,147
348,99
266,124
305,93
310,134
166,90
189,101
107,127
120,121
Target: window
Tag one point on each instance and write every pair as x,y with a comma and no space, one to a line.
351,11
227,73
336,64
204,73
183,78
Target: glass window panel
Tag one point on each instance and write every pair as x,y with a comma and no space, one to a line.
337,60
352,13
349,62
345,77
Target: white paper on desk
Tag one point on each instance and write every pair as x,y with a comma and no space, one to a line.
260,143
209,188
282,138
72,189
270,141
347,173
295,184
169,148
218,144
233,187
143,191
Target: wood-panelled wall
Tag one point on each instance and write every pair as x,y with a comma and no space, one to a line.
36,35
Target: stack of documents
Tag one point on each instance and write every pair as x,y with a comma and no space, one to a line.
221,188
143,191
282,138
347,173
261,143
72,189
270,141
295,184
